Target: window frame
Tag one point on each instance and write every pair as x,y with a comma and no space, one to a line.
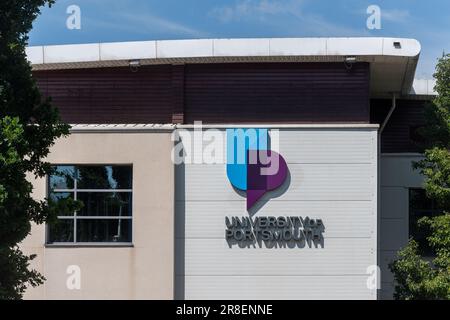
75,217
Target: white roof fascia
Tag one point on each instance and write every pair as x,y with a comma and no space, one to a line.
423,87
209,48
397,55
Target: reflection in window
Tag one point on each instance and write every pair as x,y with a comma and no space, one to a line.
106,193
104,177
105,203
57,196
63,177
103,230
420,206
62,231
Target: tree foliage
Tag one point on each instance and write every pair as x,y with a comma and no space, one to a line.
416,277
29,125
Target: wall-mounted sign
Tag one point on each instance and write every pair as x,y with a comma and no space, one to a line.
254,168
251,165
281,230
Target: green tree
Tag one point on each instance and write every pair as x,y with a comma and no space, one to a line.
29,125
416,277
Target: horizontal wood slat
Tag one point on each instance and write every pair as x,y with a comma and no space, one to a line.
110,95
274,92
401,130
213,93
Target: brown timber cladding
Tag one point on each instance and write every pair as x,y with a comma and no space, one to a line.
110,95
213,93
400,134
277,93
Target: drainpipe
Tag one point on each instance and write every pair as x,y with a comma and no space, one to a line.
382,127
391,111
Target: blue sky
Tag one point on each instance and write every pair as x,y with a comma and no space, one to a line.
128,20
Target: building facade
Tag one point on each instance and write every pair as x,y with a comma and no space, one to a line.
341,114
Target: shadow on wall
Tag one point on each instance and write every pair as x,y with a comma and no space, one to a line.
180,232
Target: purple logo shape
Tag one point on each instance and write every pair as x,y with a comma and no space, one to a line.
267,173
251,165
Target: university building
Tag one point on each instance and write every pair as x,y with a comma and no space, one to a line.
342,113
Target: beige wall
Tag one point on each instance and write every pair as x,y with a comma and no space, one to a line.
144,271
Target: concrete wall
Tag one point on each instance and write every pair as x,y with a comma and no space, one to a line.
397,176
333,176
142,271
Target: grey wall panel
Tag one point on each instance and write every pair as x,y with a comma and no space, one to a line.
386,258
276,287
337,256
387,291
394,202
394,233
327,146
397,176
397,171
312,182
332,176
312,145
344,219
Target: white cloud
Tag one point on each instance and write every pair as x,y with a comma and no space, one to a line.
286,15
316,25
256,9
395,15
130,16
145,22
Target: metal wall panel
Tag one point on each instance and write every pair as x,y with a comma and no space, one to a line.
400,134
343,218
333,176
397,171
328,146
276,287
397,176
277,93
213,93
110,95
338,255
312,182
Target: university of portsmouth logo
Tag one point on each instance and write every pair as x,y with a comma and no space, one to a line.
251,165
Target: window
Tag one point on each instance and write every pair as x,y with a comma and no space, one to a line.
105,191
420,206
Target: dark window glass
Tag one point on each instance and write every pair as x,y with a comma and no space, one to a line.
61,231
420,206
99,218
104,177
58,196
63,177
105,203
104,230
